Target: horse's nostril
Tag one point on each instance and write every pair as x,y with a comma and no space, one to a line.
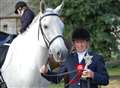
58,53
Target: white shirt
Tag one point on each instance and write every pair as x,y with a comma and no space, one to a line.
81,55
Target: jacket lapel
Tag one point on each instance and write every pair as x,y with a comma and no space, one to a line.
75,59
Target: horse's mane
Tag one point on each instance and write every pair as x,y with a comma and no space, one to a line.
47,11
36,18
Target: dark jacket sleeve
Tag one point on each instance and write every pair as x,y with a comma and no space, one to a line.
101,76
26,19
55,77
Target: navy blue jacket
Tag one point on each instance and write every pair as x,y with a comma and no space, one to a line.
97,66
26,19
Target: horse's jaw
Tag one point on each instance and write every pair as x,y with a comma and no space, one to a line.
43,57
58,50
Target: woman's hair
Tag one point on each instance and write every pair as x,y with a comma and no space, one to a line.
20,4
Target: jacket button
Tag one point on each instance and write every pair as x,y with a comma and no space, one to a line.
79,84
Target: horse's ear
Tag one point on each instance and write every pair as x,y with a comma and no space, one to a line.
42,6
58,8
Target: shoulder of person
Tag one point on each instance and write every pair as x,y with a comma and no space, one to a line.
28,11
95,55
71,56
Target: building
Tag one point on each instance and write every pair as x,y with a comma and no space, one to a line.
9,22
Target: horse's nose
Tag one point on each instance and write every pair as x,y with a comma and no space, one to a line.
61,54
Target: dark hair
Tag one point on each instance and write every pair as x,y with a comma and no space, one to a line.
80,33
20,4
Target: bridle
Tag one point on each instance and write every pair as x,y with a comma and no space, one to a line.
47,42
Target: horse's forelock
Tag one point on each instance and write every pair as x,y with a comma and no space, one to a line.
50,11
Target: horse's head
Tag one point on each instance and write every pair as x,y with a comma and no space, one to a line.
51,28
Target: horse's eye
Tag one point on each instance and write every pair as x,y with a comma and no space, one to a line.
45,26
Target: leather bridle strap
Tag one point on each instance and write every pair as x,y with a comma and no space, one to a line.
47,42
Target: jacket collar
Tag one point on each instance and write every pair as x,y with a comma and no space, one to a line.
76,61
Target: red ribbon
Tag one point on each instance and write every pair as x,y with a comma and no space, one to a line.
79,70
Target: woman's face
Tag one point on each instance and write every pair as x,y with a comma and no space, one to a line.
81,45
20,11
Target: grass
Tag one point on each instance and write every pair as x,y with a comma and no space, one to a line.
60,85
114,71
114,83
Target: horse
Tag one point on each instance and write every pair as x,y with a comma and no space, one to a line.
30,50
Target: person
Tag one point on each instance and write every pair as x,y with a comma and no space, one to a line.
27,15
80,74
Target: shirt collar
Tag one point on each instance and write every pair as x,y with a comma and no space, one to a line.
81,55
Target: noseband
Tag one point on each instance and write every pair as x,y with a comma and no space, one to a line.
47,42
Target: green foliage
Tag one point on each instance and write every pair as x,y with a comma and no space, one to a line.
99,17
36,4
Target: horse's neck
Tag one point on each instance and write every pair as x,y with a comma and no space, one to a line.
42,56
32,31
30,37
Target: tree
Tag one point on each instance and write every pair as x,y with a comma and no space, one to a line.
101,17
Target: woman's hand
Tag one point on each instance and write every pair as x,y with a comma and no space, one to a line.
88,73
44,69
